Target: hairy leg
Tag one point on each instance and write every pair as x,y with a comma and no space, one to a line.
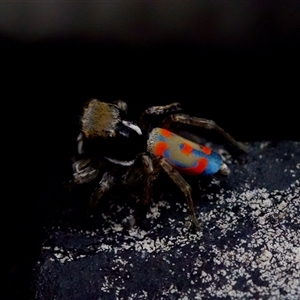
141,174
153,111
203,123
84,171
106,183
184,187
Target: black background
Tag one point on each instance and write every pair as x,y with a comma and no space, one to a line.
250,87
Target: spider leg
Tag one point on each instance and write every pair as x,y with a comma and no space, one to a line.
184,187
122,105
84,171
106,183
146,117
141,174
148,170
203,123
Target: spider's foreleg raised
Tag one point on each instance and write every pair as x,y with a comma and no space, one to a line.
203,123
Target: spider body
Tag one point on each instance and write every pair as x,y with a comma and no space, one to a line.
184,155
117,151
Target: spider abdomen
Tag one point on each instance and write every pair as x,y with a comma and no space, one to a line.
184,155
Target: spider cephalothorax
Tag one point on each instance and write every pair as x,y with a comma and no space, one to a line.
117,150
105,132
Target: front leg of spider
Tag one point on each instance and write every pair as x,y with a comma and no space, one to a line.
106,183
84,171
184,187
148,170
142,173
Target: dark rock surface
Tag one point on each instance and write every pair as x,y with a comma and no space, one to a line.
248,246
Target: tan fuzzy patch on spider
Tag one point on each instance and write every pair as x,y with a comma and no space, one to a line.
99,119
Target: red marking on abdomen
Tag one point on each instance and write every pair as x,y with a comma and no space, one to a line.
186,149
165,133
159,148
205,150
197,170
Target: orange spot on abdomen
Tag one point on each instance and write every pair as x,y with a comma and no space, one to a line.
202,163
165,133
186,149
197,170
159,148
205,150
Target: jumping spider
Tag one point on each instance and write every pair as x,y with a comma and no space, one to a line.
119,151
